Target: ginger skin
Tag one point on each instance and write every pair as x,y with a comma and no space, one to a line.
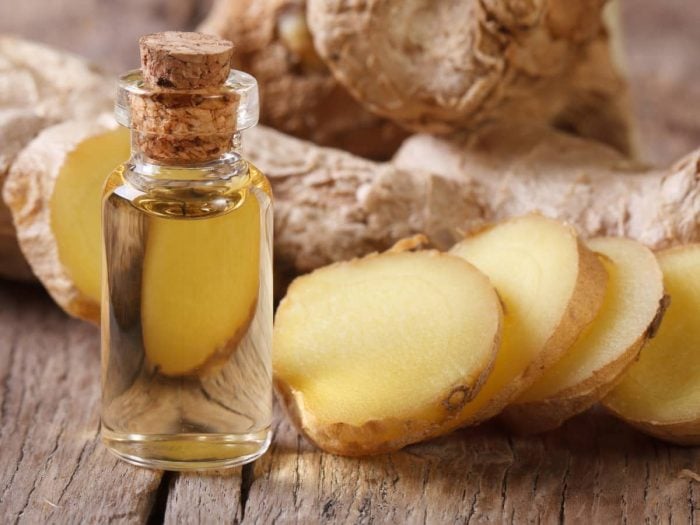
454,66
332,206
299,95
429,67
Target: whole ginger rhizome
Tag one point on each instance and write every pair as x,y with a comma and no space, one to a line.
187,270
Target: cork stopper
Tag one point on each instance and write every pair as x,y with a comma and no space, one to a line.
178,60
184,113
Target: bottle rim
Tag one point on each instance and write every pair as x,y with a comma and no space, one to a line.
239,84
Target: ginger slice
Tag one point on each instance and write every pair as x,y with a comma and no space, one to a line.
660,393
76,206
41,86
551,286
376,353
632,308
54,191
200,286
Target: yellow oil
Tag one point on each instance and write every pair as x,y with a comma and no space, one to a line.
187,320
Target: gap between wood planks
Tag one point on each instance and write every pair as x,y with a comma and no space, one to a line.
159,509
160,499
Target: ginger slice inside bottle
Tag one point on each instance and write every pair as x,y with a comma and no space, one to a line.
200,287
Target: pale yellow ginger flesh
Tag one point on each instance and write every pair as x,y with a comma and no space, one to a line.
200,286
551,287
373,354
660,393
631,309
76,207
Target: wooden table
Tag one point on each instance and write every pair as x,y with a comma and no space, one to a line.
53,468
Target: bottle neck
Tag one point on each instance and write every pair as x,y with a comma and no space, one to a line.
182,143
224,168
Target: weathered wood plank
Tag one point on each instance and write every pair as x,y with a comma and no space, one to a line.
52,465
594,470
205,498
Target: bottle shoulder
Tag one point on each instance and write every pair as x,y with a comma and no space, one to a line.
243,173
172,195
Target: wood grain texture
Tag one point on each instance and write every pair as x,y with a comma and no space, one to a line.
206,497
594,470
53,468
52,465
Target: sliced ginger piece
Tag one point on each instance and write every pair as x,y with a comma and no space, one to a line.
551,286
660,393
200,287
75,206
54,190
376,353
632,308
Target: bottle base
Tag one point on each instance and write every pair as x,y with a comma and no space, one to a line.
183,452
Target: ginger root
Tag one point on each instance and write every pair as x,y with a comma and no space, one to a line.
440,68
331,205
298,93
551,287
659,394
453,66
632,310
17,127
376,353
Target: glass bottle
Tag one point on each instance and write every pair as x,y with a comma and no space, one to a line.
187,268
